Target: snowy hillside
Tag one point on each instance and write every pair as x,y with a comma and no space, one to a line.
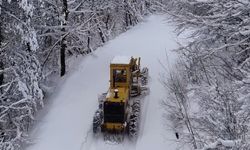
67,124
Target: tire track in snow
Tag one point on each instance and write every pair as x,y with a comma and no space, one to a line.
85,139
144,112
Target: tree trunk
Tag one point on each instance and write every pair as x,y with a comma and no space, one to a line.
1,75
88,43
62,56
101,35
63,42
1,35
1,61
107,22
100,31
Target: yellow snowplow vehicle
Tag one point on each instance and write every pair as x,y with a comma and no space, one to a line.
119,108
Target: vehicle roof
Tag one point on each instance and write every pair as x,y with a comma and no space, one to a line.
121,60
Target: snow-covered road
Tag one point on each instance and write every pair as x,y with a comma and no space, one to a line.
67,124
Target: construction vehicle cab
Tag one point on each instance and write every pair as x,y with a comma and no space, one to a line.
121,69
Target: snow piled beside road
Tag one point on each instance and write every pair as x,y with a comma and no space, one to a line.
67,124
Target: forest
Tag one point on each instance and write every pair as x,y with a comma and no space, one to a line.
207,97
37,38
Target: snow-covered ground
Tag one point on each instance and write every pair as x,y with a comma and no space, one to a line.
67,123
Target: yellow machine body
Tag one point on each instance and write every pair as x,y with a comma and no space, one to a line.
118,96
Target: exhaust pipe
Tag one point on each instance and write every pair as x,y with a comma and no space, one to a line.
116,93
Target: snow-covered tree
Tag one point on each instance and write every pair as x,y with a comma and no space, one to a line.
216,65
177,106
89,24
36,40
20,95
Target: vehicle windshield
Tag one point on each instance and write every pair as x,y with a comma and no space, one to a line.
120,75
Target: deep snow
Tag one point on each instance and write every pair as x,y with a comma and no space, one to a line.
67,124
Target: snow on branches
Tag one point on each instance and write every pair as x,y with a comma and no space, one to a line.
32,35
20,97
215,63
